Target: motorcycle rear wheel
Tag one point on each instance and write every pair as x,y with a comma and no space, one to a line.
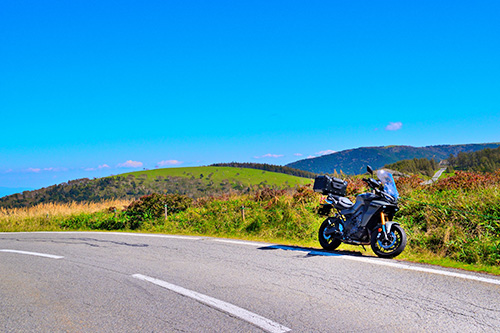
328,242
393,246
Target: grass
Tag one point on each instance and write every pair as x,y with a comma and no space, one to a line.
48,216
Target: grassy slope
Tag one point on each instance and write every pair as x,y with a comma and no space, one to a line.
218,174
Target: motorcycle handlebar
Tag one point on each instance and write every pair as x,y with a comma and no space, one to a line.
371,182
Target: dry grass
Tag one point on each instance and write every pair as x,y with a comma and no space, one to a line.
46,216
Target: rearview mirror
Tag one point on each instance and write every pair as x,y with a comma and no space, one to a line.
369,169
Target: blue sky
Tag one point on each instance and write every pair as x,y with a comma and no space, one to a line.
93,88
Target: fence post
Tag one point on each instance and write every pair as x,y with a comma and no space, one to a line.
243,213
166,211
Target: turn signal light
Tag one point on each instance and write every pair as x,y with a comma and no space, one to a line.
379,229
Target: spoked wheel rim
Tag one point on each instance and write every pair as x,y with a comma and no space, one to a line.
329,238
392,242
390,247
328,242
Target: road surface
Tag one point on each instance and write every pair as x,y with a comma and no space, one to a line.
435,177
116,282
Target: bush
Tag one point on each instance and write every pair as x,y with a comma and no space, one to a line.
305,195
103,220
267,193
152,207
468,181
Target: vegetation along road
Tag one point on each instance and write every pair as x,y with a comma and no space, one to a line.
93,281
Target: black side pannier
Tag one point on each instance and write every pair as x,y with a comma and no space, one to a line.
328,185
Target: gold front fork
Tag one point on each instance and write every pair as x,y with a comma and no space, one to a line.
382,218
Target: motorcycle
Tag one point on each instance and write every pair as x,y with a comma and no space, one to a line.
368,221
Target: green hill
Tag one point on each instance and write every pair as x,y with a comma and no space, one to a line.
222,174
354,161
192,181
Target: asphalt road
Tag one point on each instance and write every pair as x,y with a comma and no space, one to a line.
435,177
110,282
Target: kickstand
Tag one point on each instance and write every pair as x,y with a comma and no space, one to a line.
363,247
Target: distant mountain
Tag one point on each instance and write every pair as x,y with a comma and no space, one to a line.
354,161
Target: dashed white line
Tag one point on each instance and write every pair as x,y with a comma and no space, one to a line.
255,319
51,256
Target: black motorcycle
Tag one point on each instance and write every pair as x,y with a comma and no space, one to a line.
366,222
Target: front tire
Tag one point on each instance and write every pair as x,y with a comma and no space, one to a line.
328,242
393,246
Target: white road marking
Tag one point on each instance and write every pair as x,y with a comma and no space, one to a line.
239,242
104,233
255,319
385,262
382,262
33,253
156,235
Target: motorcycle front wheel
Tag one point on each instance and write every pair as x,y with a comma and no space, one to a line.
390,247
328,242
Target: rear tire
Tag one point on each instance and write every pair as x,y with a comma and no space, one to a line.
328,242
393,246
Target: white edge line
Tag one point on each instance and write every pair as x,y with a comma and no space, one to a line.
154,235
255,319
32,253
104,233
239,242
383,262
375,261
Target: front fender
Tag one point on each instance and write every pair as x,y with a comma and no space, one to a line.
388,225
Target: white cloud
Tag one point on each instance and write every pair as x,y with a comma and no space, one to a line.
297,154
36,170
269,156
55,169
394,126
326,152
130,164
104,166
169,162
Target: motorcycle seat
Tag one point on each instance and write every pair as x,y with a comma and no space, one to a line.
344,203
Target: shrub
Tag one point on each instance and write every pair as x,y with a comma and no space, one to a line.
406,185
468,181
151,207
305,194
355,186
267,193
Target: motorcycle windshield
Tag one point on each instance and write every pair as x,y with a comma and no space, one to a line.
388,182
